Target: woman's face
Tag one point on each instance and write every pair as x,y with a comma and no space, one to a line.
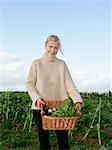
52,48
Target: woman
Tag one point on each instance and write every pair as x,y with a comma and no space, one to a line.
49,79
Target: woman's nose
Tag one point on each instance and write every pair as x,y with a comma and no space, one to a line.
53,49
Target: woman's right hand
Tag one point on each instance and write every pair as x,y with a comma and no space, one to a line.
40,103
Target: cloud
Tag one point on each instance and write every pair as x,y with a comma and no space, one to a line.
6,57
13,75
12,71
93,82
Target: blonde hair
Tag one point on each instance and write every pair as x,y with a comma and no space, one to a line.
56,39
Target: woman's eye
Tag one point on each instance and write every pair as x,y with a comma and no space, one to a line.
56,48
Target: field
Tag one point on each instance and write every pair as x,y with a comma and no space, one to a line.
93,130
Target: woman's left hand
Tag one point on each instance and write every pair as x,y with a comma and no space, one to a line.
78,107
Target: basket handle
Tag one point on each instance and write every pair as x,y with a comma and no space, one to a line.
42,111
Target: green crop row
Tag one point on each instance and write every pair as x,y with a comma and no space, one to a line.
95,121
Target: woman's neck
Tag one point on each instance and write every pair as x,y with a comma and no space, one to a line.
49,58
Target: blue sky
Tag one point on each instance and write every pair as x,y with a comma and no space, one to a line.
84,30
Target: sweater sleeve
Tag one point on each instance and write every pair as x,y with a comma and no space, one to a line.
31,83
71,88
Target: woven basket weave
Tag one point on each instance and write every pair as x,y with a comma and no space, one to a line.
58,123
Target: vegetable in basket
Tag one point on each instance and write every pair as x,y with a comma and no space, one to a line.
48,111
67,109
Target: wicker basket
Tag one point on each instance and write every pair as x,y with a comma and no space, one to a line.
59,123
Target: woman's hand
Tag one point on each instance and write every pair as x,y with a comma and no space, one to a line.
40,103
78,107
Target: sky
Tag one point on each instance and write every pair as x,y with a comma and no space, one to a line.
83,27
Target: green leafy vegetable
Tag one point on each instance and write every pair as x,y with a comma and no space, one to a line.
67,109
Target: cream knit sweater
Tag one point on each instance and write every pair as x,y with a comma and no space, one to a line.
49,78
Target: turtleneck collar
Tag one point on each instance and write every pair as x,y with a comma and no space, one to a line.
49,59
